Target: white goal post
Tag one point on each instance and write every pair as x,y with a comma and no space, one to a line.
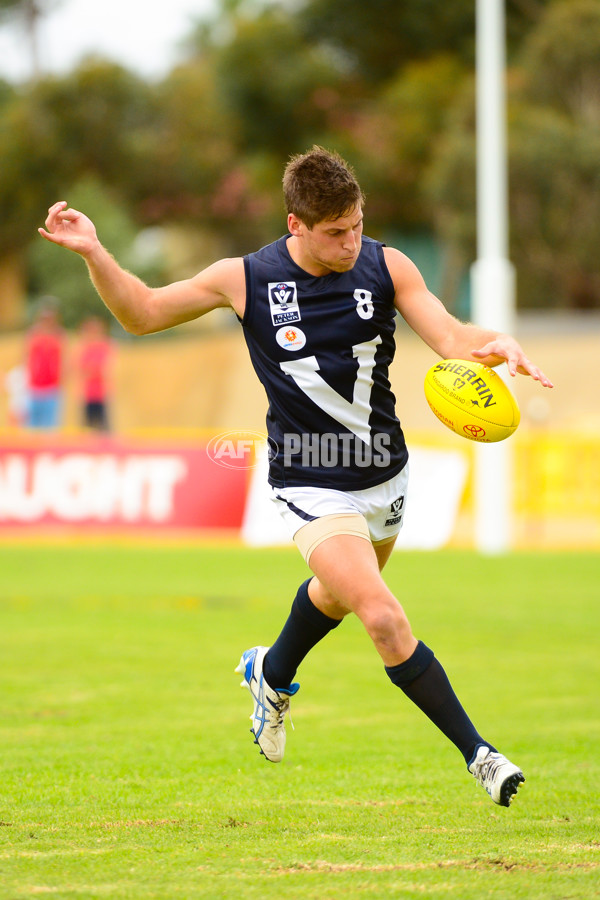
492,275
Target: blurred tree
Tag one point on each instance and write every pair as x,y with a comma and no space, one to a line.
63,276
280,93
449,184
27,159
95,116
61,130
186,153
410,61
555,206
29,12
379,37
278,86
555,153
53,133
398,134
554,147
561,60
387,84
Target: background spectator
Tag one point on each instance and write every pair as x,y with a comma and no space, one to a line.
17,390
93,363
44,364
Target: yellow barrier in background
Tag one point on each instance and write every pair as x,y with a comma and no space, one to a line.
555,490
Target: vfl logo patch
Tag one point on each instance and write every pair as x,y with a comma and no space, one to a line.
283,301
395,514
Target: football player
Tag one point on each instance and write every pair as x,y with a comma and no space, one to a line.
317,309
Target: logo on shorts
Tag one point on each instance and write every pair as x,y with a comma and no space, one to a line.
290,338
283,301
395,516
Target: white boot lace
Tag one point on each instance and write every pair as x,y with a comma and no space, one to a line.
484,768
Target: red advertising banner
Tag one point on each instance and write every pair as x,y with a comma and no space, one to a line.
90,482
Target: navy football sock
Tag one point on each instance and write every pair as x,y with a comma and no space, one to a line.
305,627
424,681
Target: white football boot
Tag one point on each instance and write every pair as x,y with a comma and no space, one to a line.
496,774
270,705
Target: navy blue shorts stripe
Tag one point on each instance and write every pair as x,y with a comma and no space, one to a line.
296,509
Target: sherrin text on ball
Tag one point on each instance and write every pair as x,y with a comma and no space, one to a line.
472,400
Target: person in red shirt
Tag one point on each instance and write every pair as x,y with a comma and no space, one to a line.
44,364
93,365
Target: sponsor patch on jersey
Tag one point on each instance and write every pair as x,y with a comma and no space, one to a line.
283,300
290,338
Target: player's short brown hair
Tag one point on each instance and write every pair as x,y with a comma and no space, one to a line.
319,186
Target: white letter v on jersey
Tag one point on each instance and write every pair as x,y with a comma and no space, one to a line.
354,416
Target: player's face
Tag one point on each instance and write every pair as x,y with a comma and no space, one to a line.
329,246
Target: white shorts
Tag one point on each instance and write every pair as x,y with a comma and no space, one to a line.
381,506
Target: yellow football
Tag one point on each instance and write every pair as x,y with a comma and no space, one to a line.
472,400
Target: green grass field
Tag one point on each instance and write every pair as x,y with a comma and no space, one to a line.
128,770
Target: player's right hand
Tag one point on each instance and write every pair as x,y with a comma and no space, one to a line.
69,228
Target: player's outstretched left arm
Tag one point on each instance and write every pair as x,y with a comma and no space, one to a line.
139,308
446,335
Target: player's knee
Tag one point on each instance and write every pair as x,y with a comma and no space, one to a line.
325,601
385,622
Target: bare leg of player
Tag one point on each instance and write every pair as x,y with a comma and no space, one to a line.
348,578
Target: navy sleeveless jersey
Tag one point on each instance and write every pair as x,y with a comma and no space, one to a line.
322,347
